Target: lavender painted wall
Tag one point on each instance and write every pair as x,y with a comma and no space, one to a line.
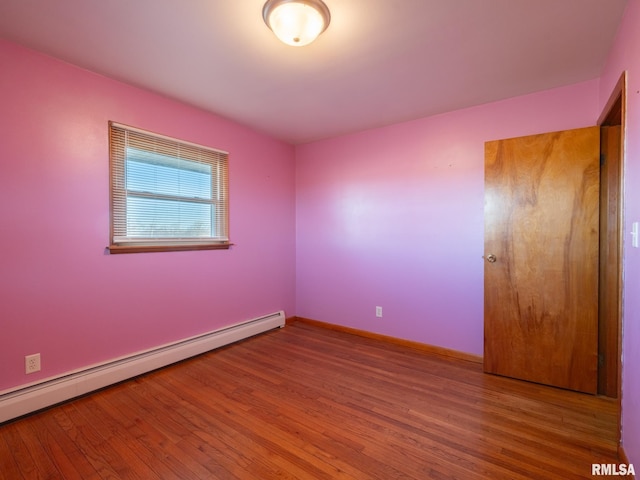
60,294
394,217
625,55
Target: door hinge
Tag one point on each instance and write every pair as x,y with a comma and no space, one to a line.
603,159
600,360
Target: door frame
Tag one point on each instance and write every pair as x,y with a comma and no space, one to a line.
614,113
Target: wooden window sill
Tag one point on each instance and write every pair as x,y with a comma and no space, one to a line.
115,249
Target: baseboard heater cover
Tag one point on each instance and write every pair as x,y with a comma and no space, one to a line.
31,398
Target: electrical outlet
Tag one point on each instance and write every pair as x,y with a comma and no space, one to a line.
32,363
379,312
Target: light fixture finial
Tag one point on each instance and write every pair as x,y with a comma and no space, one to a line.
296,22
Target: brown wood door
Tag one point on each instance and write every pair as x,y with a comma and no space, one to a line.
541,258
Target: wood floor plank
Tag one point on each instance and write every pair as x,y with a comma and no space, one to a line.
99,452
125,443
163,434
9,463
306,402
213,420
51,422
47,453
290,452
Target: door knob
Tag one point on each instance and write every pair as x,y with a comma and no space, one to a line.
491,258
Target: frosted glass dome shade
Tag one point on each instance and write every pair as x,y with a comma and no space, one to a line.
296,22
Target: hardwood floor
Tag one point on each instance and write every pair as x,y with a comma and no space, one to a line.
306,402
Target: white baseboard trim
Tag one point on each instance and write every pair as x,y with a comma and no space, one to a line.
30,398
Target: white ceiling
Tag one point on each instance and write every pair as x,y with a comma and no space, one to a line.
378,63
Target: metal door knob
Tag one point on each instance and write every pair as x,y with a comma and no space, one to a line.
491,258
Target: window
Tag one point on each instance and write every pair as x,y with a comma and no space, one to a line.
166,194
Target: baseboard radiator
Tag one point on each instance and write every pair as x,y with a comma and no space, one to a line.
31,398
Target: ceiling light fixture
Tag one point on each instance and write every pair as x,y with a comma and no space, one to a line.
296,22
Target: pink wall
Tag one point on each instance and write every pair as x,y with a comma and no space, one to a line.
390,217
625,55
394,217
60,294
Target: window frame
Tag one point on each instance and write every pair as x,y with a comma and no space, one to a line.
120,137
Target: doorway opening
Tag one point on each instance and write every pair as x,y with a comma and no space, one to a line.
612,132
611,124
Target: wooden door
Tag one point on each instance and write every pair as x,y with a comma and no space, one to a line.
541,258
